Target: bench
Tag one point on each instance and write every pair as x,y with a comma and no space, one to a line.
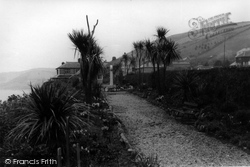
186,114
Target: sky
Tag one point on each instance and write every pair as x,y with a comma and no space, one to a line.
34,33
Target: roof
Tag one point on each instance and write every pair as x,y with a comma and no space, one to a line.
62,76
233,64
180,63
244,54
202,67
69,65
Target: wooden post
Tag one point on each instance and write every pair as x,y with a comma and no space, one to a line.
78,155
59,157
67,142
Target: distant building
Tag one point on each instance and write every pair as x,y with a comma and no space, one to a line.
202,67
242,57
69,69
183,64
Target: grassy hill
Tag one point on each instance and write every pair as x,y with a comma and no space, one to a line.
211,48
21,80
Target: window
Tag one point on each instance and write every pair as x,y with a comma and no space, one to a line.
66,71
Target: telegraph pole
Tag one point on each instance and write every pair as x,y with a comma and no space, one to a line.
224,52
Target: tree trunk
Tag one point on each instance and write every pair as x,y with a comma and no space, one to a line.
88,94
139,81
158,77
164,77
154,82
143,71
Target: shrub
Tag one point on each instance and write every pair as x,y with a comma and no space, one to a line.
243,117
185,84
143,161
229,107
44,118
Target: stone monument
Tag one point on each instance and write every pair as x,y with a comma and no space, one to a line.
111,76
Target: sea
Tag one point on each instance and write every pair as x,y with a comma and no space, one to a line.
4,94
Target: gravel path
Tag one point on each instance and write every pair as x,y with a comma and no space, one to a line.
152,131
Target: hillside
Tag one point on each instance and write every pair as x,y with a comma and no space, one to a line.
211,48
21,80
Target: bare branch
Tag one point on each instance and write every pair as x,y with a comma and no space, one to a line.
88,23
93,31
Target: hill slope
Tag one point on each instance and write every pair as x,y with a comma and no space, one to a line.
211,48
21,80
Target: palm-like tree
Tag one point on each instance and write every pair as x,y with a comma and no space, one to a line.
141,58
166,50
125,59
173,52
161,37
150,54
138,46
161,34
168,53
91,64
44,117
132,62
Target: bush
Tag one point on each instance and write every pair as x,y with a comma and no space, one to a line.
229,107
243,117
143,161
44,116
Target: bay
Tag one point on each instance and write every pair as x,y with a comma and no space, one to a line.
4,94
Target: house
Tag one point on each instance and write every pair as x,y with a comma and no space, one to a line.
69,69
183,64
242,57
202,67
175,65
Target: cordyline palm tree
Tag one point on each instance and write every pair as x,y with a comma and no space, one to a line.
160,42
138,46
150,54
168,53
91,64
44,118
186,84
161,34
141,57
132,62
125,59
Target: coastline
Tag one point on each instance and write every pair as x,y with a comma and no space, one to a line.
5,93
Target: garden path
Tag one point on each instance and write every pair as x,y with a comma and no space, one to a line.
151,131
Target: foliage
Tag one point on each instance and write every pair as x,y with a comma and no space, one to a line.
9,111
125,59
229,107
243,117
44,121
90,62
185,83
143,161
97,88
